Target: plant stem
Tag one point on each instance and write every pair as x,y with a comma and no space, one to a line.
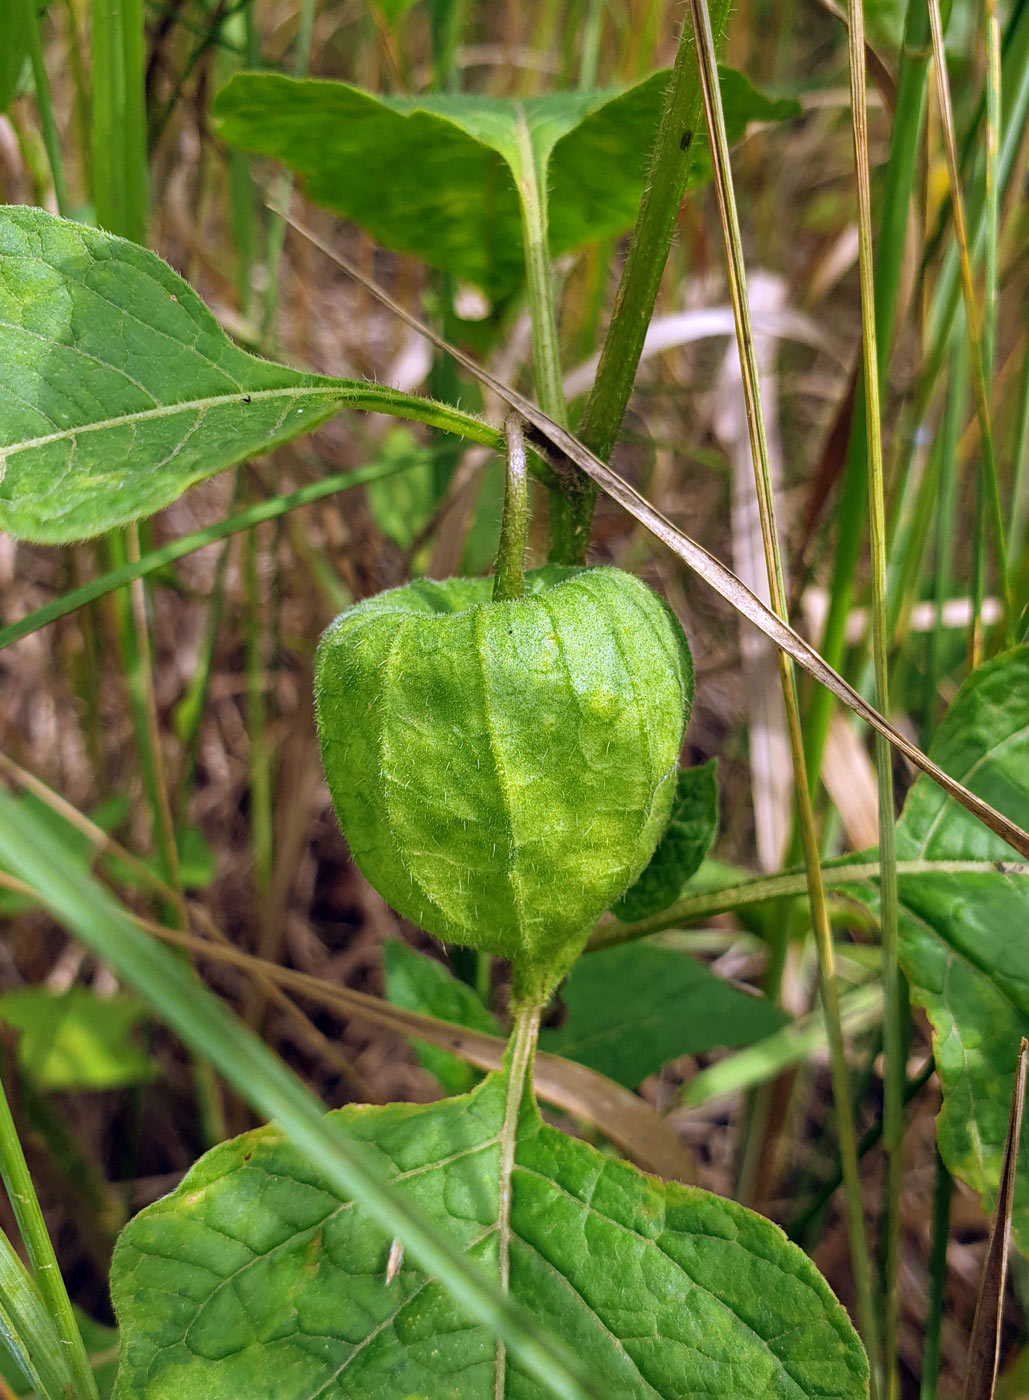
39,1247
522,1049
979,357
860,1261
119,118
670,162
942,1191
568,494
791,884
912,83
509,574
893,1001
31,19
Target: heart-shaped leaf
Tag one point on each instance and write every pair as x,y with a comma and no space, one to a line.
120,389
963,932
254,1278
437,175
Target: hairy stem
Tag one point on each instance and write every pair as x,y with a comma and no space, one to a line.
523,1047
509,575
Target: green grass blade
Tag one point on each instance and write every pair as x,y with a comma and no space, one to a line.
119,118
157,559
829,986
981,359
894,1002
32,18
36,1238
670,163
29,1334
899,184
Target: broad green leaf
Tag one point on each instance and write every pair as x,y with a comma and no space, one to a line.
964,937
422,984
255,1278
120,389
435,175
681,850
77,1040
633,1008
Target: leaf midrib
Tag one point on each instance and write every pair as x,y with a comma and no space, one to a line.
341,390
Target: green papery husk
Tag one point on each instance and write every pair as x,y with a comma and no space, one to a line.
504,770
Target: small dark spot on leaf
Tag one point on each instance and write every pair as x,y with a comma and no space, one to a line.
687,141
246,398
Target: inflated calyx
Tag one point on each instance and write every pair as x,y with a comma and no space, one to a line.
504,770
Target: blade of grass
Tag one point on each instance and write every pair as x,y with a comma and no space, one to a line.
947,293
1020,491
156,559
32,19
561,447
196,1015
946,446
670,162
980,357
119,118
984,1344
905,133
894,1006
796,1227
29,1334
942,1191
704,41
46,1271
103,842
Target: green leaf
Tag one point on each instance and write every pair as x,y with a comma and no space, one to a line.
419,983
435,175
77,1040
680,852
256,1278
120,389
633,1008
963,943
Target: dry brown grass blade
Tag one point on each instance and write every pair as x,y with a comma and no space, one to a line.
560,447
630,1123
984,1345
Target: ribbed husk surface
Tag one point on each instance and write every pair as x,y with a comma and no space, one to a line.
504,770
